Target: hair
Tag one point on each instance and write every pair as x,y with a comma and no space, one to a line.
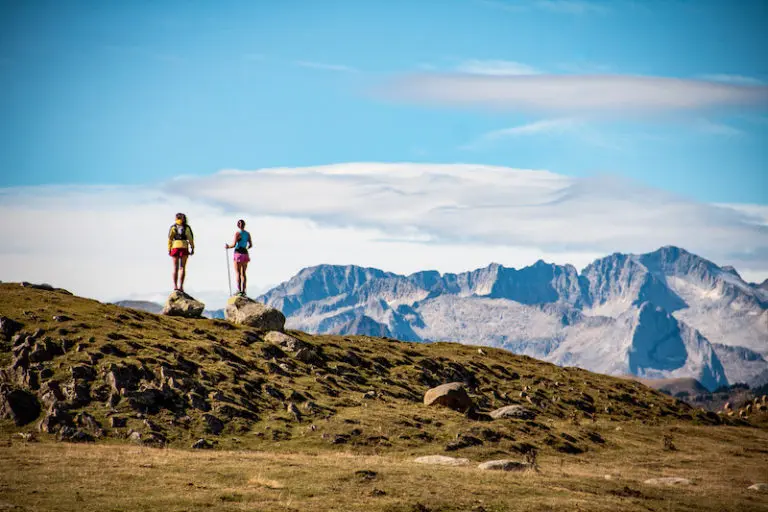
182,217
241,223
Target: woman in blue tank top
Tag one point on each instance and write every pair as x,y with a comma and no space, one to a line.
241,245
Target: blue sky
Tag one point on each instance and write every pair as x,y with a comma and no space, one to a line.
135,92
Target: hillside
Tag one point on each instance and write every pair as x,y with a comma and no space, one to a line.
665,314
326,422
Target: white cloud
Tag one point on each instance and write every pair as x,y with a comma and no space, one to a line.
554,6
495,67
326,67
544,126
109,243
589,95
715,128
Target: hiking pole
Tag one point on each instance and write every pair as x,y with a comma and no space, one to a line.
229,273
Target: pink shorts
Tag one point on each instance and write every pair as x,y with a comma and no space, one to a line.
242,257
179,252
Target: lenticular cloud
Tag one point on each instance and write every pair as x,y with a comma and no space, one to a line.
574,93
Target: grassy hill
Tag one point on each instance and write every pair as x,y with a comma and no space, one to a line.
328,406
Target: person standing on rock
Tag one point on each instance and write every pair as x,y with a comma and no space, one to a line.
241,245
181,245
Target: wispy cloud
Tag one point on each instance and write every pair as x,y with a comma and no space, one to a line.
586,94
717,128
341,68
733,79
495,68
554,6
544,126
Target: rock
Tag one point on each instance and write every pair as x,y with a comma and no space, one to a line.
668,480
213,424
82,372
286,341
18,405
451,395
245,311
87,422
293,410
62,318
758,487
181,304
202,444
513,411
505,465
463,441
117,422
56,419
308,356
8,328
441,460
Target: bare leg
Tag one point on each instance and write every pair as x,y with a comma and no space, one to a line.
175,273
237,276
243,279
182,271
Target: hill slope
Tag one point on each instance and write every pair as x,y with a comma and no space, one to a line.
103,370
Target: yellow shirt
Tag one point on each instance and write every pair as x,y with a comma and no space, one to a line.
180,244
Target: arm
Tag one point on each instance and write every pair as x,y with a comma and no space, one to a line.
191,237
250,240
234,243
170,239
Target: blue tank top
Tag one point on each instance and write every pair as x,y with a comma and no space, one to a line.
243,242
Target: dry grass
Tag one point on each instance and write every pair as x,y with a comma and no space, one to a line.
721,461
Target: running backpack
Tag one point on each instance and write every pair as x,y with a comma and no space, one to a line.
179,231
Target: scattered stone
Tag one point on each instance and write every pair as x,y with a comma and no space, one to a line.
513,411
245,311
56,418
181,304
286,341
62,318
117,422
366,474
202,444
378,492
82,372
463,441
8,328
451,395
442,460
668,480
18,405
758,487
505,465
292,409
213,424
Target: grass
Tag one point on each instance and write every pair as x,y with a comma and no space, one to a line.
586,426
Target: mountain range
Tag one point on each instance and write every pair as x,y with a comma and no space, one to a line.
664,314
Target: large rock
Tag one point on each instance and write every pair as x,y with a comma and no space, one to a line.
181,304
8,328
451,395
441,460
758,487
245,311
504,465
668,480
18,405
285,341
513,411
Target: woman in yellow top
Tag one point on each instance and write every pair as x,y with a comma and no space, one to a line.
181,245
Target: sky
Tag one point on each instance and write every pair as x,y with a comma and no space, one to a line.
401,135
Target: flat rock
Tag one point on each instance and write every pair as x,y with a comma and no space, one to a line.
181,304
441,460
286,341
668,480
245,311
504,465
513,411
758,487
451,395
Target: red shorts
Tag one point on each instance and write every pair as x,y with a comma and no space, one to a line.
179,252
242,257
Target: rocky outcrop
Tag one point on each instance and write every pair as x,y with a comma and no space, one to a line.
245,311
181,304
18,405
504,465
451,395
8,328
513,411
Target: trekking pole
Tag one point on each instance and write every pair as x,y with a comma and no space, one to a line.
229,273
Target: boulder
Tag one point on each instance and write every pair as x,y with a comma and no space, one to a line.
245,311
504,465
441,460
758,487
513,411
286,341
202,444
8,328
451,395
668,480
18,405
181,304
